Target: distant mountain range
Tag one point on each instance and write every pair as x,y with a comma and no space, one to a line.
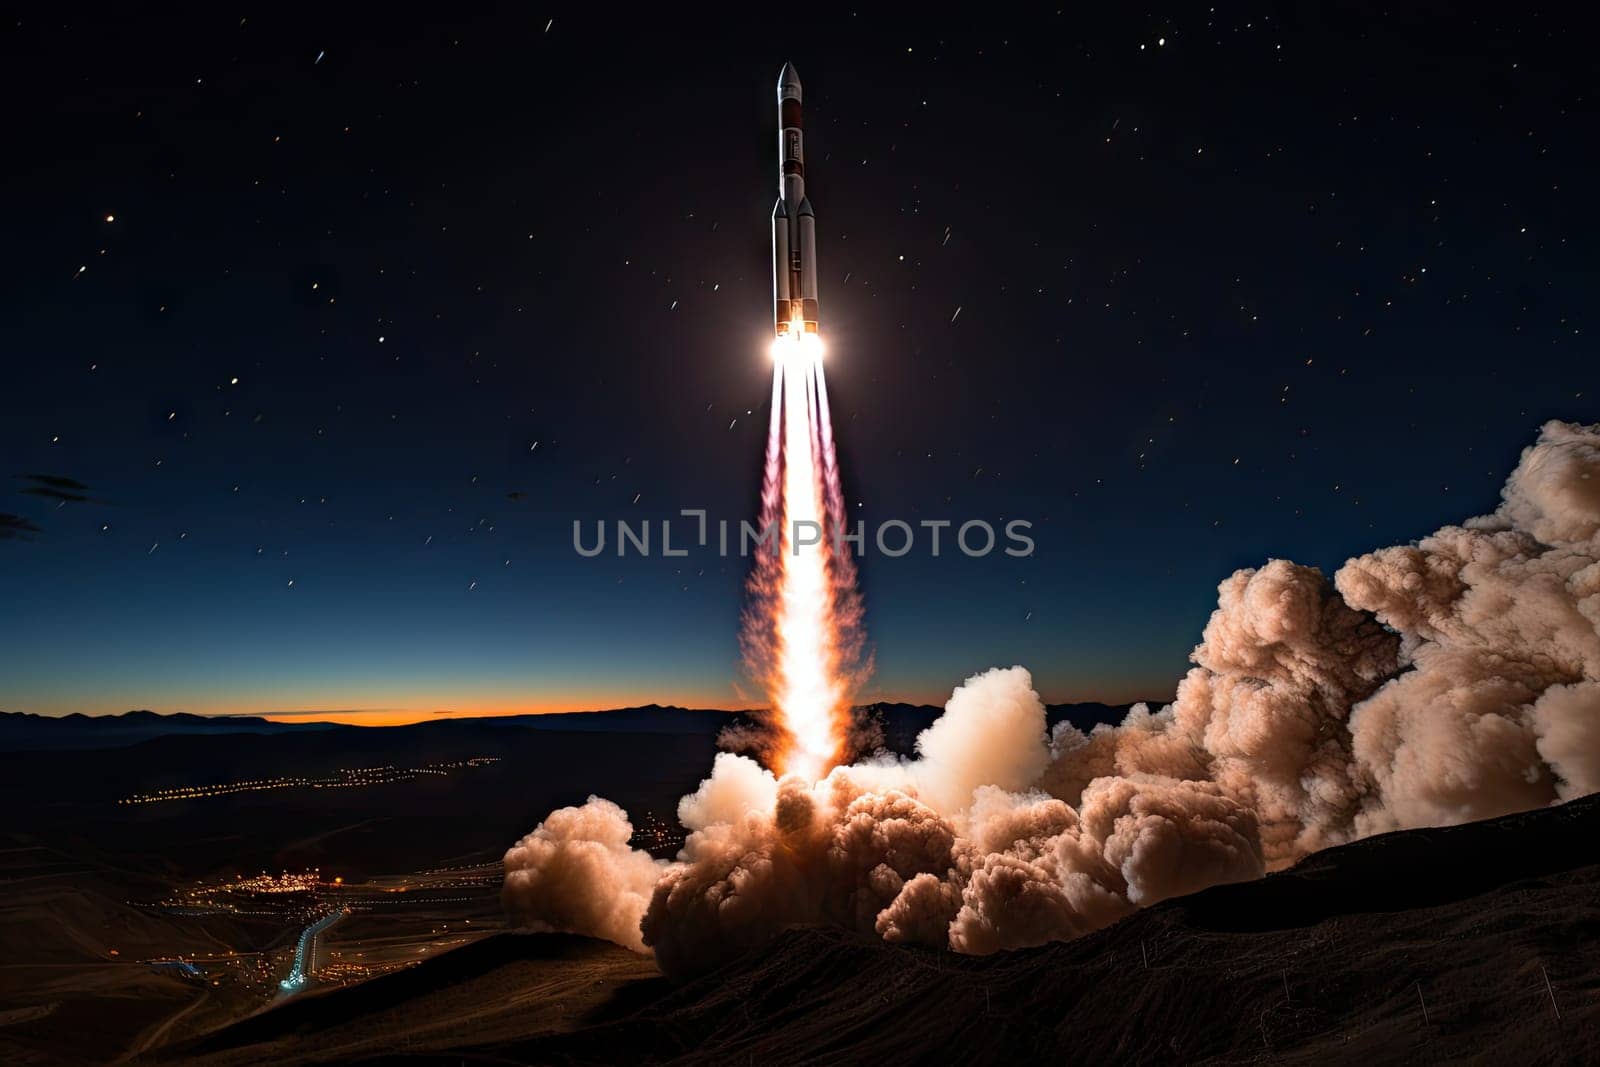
26,731
21,730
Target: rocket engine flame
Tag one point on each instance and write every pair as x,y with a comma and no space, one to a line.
802,635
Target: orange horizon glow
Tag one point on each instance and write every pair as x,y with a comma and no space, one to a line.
411,716
367,709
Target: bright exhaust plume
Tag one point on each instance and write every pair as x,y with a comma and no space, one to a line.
801,633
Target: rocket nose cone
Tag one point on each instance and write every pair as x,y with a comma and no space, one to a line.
788,81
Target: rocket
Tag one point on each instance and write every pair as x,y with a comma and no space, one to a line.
794,226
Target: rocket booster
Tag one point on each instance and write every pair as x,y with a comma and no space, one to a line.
794,227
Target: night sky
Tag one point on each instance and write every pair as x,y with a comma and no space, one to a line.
339,322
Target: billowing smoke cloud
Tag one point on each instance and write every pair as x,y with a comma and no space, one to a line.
1454,679
577,873
1262,715
1500,707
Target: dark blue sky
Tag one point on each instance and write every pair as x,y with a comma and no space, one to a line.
1287,284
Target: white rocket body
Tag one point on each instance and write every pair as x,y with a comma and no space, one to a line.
794,225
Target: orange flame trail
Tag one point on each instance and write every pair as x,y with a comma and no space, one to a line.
802,632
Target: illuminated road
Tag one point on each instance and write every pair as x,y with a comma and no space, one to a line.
305,953
345,778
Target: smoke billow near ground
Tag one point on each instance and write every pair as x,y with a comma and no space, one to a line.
1450,680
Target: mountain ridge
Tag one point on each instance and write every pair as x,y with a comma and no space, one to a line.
1323,962
24,731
